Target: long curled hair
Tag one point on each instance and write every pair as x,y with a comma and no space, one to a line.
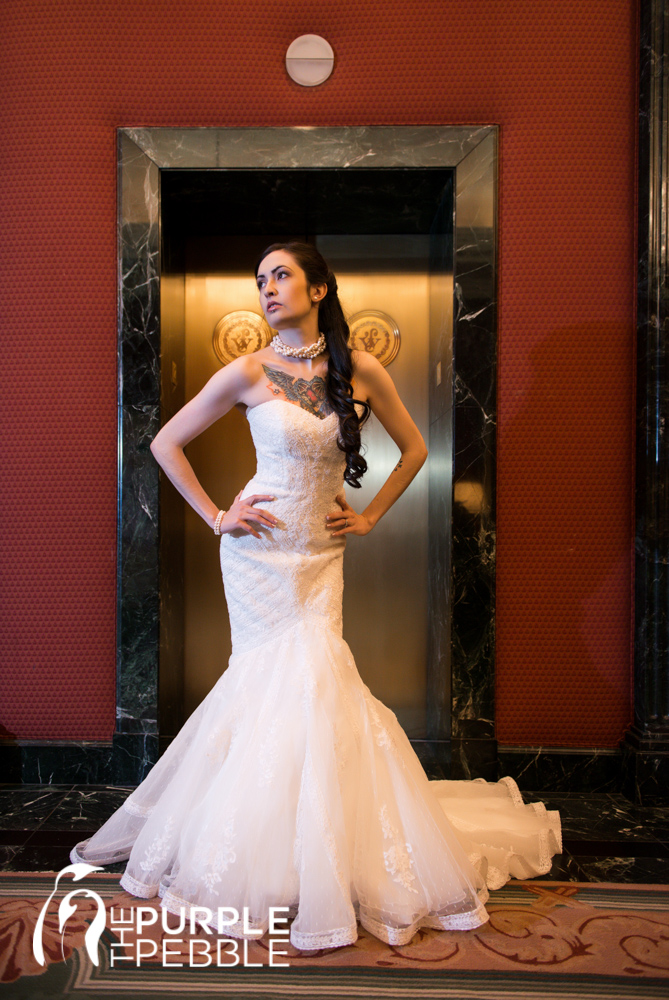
332,323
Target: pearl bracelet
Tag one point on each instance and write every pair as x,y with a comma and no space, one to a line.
217,522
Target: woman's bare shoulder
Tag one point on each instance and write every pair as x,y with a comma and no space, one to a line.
364,360
365,366
243,371
233,381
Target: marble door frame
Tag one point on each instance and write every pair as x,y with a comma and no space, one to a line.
464,341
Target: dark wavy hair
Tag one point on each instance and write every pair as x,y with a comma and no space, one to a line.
332,323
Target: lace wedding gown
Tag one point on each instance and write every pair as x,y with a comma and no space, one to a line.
290,784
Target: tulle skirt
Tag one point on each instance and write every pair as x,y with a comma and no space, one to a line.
292,786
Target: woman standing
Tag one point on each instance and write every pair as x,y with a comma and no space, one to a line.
290,784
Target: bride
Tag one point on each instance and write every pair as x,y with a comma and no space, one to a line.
291,785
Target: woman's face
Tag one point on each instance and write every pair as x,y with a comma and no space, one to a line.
285,295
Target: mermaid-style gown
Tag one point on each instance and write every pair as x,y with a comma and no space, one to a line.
290,784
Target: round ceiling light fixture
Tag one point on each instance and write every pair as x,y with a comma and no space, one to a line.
309,60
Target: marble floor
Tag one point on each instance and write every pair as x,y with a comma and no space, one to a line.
606,837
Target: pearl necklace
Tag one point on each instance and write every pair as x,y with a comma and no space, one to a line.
311,351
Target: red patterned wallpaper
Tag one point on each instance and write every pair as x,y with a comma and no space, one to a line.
559,77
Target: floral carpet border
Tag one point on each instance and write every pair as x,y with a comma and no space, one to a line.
577,941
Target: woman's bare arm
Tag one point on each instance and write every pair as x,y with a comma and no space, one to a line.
215,399
373,383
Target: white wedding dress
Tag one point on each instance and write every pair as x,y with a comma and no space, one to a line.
290,784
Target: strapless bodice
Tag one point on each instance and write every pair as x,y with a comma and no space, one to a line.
293,571
296,450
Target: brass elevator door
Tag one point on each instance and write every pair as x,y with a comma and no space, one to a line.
385,573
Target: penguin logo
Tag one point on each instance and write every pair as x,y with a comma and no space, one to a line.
65,911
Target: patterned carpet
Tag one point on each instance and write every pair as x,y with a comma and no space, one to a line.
545,939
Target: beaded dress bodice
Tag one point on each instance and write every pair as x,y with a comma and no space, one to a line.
294,571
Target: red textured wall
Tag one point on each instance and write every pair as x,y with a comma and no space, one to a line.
559,77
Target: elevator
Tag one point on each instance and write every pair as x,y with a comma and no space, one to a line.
388,236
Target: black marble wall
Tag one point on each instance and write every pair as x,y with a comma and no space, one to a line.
646,746
463,357
136,738
472,590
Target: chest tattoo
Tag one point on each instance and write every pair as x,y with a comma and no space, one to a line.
309,395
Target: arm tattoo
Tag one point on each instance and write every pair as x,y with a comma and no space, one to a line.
399,465
311,395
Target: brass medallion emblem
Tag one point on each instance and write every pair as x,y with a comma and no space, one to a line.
240,332
375,332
